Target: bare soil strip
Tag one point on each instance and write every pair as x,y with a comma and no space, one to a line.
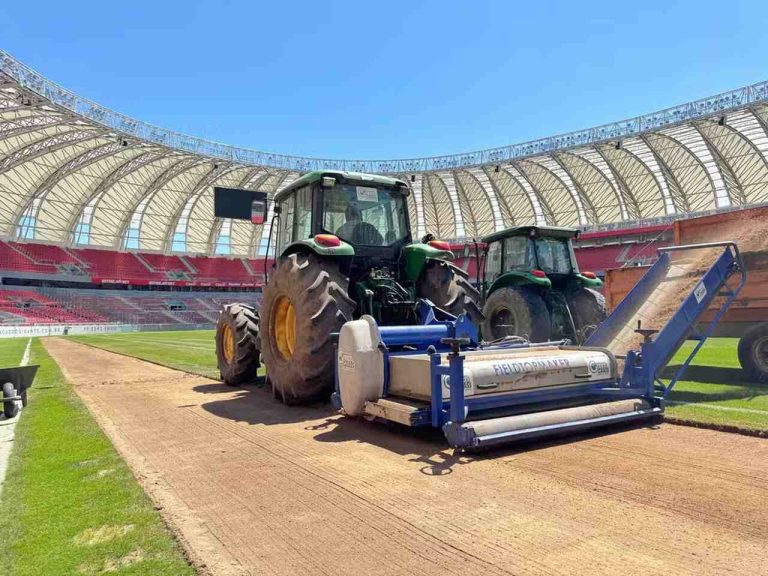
253,487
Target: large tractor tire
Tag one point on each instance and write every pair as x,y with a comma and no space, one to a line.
304,302
516,311
449,288
237,350
753,353
588,311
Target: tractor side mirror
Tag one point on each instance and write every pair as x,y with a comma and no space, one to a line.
258,212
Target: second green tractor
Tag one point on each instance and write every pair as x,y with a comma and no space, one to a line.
532,286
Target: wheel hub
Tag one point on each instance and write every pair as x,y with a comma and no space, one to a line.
760,353
228,343
284,326
503,322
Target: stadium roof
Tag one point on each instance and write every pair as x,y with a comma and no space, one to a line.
72,171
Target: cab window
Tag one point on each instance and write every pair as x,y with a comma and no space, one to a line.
517,253
493,261
553,255
285,222
302,226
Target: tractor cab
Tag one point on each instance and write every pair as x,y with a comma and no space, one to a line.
537,251
331,210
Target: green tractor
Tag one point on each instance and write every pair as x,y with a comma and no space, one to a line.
532,286
344,248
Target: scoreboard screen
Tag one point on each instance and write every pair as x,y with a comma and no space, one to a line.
236,203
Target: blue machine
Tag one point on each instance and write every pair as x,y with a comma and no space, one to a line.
440,374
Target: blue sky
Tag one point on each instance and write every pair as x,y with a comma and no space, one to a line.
389,79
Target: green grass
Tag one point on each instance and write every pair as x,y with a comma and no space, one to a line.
191,351
11,350
70,504
715,392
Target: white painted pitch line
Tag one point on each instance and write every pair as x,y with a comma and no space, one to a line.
25,356
7,428
721,408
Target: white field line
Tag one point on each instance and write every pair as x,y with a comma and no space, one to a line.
7,428
716,407
25,356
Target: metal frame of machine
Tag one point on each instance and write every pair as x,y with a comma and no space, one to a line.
472,422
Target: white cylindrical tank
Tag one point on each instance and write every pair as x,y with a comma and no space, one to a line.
360,365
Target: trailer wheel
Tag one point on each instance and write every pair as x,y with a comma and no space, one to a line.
449,288
236,344
10,408
516,311
588,310
305,301
753,353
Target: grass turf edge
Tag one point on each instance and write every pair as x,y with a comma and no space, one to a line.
70,504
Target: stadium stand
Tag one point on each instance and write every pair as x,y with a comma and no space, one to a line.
139,268
603,250
43,265
48,305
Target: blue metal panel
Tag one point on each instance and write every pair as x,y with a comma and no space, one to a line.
658,353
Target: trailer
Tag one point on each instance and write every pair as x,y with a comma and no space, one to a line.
483,394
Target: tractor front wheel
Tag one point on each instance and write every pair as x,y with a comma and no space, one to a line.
236,344
449,288
305,301
516,311
753,353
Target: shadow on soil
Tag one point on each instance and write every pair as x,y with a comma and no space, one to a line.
426,446
255,405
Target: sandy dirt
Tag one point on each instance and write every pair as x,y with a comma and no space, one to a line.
253,487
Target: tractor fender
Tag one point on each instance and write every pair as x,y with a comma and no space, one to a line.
311,245
515,278
415,257
588,282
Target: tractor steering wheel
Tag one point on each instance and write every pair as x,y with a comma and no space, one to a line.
365,233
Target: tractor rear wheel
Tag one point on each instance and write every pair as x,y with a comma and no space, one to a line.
449,288
588,310
237,353
753,353
516,311
304,302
